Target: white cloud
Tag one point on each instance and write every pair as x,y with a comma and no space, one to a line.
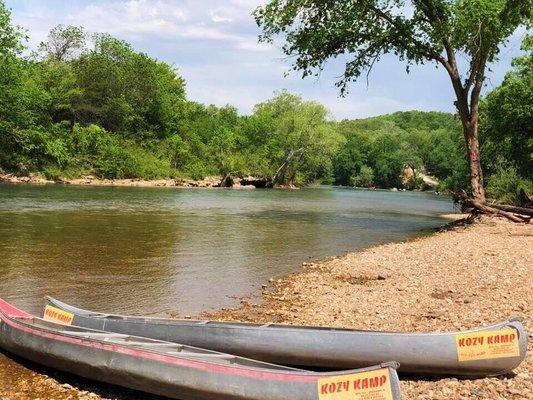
219,16
133,16
207,32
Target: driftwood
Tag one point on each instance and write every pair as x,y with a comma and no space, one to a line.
517,210
279,176
512,213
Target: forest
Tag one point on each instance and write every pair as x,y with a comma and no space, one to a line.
85,104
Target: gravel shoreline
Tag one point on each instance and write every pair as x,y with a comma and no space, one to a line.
460,278
208,182
456,279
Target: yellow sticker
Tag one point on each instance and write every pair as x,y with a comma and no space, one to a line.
371,385
487,344
58,316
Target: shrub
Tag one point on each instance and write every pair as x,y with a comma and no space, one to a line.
365,177
505,184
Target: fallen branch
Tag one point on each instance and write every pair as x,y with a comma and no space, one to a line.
513,209
512,213
491,210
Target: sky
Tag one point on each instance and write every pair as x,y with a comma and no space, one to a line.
214,46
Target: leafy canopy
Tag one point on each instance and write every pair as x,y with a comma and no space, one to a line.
416,31
63,43
11,37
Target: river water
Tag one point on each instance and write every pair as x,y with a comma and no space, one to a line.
159,250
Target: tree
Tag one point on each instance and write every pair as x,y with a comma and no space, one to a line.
63,43
507,130
11,36
127,92
507,133
24,142
417,31
297,138
59,81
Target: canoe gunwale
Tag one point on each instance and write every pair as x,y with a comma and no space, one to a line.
252,326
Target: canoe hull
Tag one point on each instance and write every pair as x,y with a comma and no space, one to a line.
156,373
317,347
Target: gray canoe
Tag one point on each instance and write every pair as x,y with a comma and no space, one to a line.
466,353
177,371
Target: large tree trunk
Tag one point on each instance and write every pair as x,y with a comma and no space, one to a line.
469,114
473,154
279,176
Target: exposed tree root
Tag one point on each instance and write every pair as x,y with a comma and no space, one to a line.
476,207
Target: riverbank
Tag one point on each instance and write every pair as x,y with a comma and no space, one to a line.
210,181
456,279
247,182
459,278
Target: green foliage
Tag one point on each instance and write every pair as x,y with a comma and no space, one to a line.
417,32
387,144
505,185
63,43
365,177
295,138
99,107
108,156
507,111
127,92
11,37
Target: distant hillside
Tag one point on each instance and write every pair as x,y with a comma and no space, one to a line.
378,149
409,121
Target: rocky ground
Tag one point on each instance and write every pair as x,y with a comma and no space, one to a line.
456,279
210,181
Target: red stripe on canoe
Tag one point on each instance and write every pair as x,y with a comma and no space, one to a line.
239,371
11,311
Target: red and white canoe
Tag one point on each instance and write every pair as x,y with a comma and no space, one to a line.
178,371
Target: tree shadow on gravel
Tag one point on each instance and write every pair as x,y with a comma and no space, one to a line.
104,390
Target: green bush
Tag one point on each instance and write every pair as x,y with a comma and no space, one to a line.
505,185
52,173
198,170
108,156
365,177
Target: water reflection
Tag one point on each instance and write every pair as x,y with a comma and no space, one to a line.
153,250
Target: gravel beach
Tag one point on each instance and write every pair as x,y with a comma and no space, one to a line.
459,278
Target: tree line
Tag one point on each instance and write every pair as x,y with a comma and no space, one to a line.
91,104
460,37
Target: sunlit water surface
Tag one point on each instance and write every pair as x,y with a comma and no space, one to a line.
159,250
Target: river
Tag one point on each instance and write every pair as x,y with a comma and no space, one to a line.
156,251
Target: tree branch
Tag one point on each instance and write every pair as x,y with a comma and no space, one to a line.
430,11
476,91
428,51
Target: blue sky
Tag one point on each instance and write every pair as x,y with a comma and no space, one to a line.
214,45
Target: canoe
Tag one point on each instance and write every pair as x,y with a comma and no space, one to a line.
491,350
177,371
